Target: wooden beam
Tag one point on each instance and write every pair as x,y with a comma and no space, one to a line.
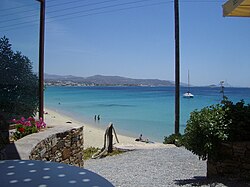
41,58
177,68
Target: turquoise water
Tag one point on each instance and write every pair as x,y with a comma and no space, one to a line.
135,110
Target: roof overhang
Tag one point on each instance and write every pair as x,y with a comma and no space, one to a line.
237,8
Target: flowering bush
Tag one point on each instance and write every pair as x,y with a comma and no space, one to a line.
27,126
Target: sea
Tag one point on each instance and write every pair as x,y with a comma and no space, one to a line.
135,110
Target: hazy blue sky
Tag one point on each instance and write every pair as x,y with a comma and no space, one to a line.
135,38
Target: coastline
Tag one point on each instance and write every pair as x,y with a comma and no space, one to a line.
94,136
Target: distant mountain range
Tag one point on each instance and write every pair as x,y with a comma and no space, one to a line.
104,80
101,80
226,84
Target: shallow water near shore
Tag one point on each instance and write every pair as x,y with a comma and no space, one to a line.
135,110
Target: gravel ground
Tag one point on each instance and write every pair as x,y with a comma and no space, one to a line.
156,168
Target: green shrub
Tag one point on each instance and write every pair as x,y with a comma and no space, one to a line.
207,128
239,115
176,139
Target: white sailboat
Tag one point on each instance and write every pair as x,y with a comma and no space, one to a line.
188,93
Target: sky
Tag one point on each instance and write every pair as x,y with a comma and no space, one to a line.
133,38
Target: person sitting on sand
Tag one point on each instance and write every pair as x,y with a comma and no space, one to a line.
141,140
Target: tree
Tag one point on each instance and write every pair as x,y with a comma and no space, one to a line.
18,83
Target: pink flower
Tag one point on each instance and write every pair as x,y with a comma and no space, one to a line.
17,121
40,123
31,119
43,124
28,123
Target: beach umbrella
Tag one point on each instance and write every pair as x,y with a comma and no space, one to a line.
237,8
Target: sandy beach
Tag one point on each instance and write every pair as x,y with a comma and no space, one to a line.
94,137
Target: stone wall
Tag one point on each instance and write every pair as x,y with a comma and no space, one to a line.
65,147
233,161
59,143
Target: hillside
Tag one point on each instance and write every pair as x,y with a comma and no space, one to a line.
103,80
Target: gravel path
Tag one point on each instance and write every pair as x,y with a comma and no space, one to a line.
155,168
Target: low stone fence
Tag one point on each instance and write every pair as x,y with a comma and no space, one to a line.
59,144
233,162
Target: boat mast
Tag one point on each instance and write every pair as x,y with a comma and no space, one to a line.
188,83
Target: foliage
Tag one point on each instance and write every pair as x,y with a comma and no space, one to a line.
87,153
28,126
176,139
239,115
116,152
18,84
207,128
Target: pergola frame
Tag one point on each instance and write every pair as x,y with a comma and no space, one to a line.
41,58
177,63
177,67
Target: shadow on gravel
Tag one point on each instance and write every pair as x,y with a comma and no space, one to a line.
204,181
